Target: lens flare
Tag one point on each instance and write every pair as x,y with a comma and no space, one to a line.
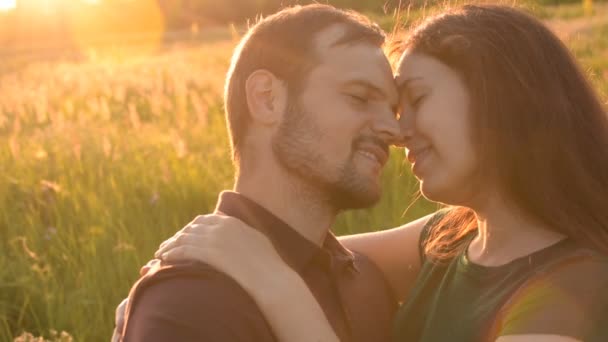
6,5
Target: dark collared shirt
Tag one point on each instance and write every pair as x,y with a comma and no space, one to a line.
194,302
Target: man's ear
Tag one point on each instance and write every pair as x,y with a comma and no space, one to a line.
266,97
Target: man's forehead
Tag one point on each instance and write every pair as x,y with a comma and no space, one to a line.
347,55
334,37
327,38
360,61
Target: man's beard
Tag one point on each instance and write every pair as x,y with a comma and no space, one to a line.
295,146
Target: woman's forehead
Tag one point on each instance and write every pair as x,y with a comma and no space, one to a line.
413,66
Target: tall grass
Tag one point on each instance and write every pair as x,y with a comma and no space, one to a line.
101,160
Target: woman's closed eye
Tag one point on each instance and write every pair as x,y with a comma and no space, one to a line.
417,101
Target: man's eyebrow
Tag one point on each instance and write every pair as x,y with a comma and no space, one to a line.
366,84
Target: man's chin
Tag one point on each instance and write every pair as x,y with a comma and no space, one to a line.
357,199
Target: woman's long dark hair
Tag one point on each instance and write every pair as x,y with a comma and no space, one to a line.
538,125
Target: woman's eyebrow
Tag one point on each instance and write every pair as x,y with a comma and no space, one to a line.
402,82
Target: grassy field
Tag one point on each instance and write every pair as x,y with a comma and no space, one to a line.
102,159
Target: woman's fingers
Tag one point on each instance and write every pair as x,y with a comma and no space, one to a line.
119,320
188,252
144,270
196,226
223,228
208,219
204,223
244,271
201,240
228,245
228,237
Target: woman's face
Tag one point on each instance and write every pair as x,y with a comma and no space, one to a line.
434,106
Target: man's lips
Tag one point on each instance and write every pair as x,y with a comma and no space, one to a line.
375,152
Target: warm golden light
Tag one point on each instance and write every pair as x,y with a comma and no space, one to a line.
135,24
6,5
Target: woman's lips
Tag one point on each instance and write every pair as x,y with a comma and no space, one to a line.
416,154
417,157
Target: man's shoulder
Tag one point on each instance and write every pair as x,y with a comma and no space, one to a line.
187,270
194,281
193,299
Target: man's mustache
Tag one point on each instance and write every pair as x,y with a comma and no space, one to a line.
362,140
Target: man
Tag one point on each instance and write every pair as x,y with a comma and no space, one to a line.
310,104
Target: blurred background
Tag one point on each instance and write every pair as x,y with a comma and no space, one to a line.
112,137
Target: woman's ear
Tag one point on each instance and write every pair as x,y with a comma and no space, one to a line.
266,97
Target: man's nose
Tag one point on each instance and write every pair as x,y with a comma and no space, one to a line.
406,126
386,126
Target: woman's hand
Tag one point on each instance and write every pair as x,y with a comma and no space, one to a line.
250,258
229,245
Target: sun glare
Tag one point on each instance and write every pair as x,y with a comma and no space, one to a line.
6,5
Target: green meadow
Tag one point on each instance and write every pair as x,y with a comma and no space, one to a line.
104,157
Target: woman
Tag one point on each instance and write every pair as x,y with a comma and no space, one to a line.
503,127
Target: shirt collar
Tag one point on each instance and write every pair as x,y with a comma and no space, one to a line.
297,251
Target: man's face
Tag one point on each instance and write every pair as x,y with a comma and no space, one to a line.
337,130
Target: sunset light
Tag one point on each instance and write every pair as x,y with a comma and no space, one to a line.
6,5
123,120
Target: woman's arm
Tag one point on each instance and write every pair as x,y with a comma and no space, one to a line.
247,256
394,251
537,338
302,319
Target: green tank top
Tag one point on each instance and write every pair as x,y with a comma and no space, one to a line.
561,290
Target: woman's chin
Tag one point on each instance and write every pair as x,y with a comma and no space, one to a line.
426,188
428,192
435,192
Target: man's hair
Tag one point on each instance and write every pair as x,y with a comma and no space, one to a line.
283,44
